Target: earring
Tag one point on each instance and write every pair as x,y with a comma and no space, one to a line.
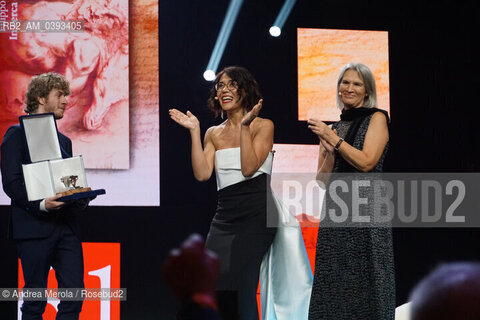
221,115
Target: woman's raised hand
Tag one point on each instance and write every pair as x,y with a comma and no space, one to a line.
318,127
188,120
252,114
322,130
328,147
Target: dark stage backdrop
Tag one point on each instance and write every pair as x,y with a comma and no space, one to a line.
433,86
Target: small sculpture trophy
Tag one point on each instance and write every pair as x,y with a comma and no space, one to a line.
70,182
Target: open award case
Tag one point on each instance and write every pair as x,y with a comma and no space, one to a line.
50,174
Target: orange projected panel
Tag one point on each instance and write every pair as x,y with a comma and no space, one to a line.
321,55
102,270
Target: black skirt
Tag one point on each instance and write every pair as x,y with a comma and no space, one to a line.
240,237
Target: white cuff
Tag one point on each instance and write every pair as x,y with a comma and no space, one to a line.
42,206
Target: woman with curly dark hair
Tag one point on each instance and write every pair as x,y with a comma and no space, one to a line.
240,149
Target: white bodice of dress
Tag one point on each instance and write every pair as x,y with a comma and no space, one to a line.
228,167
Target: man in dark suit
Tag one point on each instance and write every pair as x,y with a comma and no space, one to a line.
45,231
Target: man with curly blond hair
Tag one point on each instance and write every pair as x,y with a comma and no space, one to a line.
46,231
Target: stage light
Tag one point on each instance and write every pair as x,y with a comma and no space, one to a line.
222,39
209,75
276,29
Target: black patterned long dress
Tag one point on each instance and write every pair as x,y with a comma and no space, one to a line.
354,270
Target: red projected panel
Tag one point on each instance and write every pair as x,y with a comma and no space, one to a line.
95,62
112,66
102,270
321,55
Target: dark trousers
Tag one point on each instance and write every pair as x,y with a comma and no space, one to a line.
62,250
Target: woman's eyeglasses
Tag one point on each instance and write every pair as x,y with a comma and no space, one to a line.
230,85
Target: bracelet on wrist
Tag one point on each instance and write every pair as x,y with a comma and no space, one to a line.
338,144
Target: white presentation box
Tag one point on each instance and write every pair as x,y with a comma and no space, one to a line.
50,174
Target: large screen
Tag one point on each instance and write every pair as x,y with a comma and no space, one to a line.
112,67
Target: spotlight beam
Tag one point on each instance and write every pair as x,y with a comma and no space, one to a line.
284,13
223,36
